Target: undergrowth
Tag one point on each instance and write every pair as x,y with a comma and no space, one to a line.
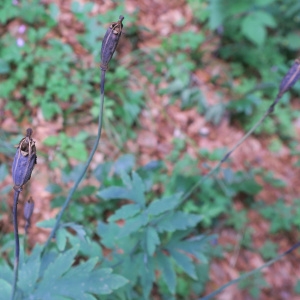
133,236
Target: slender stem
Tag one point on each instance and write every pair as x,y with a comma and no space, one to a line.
226,156
81,175
17,243
250,273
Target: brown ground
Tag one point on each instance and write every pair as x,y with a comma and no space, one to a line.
159,123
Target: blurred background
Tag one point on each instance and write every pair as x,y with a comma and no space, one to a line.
188,79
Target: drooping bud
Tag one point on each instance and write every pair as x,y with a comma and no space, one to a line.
24,161
110,42
28,210
290,78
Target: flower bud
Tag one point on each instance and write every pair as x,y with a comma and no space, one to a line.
110,42
290,78
24,161
28,210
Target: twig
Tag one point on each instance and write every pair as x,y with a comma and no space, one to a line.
269,263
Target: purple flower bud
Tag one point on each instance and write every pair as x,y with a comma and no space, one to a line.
290,78
28,209
110,42
24,161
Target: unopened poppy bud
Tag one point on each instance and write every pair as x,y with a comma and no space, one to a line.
110,42
24,161
28,210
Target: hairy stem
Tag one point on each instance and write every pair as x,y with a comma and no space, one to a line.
81,175
17,243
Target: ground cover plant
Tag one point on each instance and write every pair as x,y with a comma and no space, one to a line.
164,211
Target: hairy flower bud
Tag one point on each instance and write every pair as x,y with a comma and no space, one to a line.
24,161
110,42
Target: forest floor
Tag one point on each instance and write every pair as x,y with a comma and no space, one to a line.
159,123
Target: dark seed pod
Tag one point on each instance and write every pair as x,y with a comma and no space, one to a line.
24,161
290,78
28,210
110,42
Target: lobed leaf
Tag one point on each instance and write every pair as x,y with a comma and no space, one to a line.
125,212
178,221
163,205
152,240
167,269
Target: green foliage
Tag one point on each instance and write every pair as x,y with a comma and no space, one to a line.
154,236
67,147
281,215
253,285
268,250
152,240
38,72
54,276
249,34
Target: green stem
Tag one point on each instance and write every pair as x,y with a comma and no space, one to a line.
17,243
269,263
81,175
226,156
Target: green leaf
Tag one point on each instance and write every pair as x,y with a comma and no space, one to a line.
264,2
54,11
61,265
29,271
3,172
152,239
115,192
49,109
147,274
134,225
78,281
5,289
125,212
253,29
177,221
138,188
168,273
217,15
77,228
102,282
77,151
51,140
124,164
264,18
46,224
184,262
134,193
249,186
61,238
165,204
6,273
4,67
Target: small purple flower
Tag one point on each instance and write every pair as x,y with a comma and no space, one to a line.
22,29
20,42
